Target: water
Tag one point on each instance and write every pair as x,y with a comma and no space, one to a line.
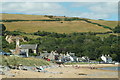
111,68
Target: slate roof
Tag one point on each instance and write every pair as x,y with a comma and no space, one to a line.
28,46
72,54
108,57
45,54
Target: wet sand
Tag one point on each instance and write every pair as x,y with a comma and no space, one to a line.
69,71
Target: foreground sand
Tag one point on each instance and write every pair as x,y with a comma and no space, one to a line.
67,72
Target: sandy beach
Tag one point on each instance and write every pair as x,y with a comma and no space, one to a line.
67,71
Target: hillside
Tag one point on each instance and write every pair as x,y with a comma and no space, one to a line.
22,17
111,24
14,60
33,23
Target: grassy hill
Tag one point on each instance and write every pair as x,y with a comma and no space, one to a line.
14,60
22,17
33,23
111,24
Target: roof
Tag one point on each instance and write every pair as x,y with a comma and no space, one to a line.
106,56
72,54
45,54
28,46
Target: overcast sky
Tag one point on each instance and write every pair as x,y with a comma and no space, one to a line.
92,10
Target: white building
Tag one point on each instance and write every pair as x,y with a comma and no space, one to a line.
106,59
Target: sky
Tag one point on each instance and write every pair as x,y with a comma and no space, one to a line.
91,10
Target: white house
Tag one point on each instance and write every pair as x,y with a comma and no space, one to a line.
68,57
106,59
85,58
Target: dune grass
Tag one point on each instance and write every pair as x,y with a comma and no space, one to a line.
14,60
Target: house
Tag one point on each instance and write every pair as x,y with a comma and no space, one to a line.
80,59
106,59
85,59
53,55
28,48
67,58
76,59
72,54
45,54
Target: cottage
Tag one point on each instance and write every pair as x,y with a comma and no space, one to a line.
85,59
52,56
67,57
106,59
28,48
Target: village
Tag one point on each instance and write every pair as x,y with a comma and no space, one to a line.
59,39
57,66
31,50
26,60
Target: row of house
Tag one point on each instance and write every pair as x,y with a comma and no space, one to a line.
53,55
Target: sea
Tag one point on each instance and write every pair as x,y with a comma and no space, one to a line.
111,68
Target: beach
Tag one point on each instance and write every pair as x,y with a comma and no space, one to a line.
67,71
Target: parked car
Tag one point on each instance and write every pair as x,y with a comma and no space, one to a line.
5,53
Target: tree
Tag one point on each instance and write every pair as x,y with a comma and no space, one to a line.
2,27
117,29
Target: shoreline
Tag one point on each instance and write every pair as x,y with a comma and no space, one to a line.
67,71
96,65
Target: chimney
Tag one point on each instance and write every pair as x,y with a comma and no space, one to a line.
17,45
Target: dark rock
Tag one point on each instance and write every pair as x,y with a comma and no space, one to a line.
12,67
82,74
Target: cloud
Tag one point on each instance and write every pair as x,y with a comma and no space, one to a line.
60,0
33,8
93,10
94,16
97,10
85,4
105,8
